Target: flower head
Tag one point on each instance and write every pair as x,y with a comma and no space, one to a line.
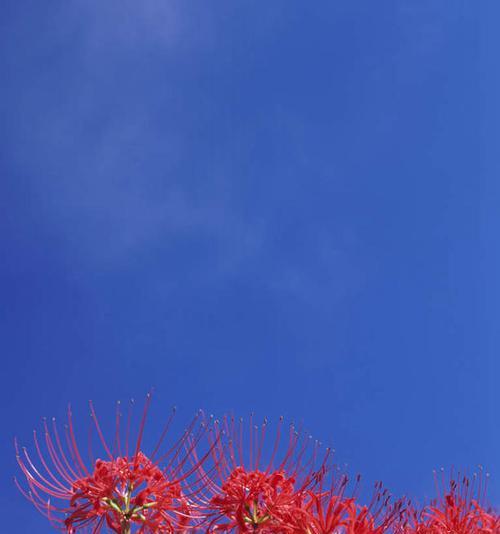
458,509
333,511
255,498
248,493
126,489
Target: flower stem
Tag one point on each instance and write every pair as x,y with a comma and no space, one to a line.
126,528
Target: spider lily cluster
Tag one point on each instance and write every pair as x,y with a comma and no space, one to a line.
217,477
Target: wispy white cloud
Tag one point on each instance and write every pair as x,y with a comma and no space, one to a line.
114,181
107,176
128,24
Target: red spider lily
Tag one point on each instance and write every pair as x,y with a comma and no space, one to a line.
332,512
127,490
247,494
231,486
458,509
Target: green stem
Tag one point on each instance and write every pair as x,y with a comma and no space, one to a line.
126,526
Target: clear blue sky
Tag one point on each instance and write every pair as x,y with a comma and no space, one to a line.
281,207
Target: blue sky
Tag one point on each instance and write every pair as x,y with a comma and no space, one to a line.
280,207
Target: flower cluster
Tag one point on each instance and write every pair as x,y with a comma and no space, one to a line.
458,508
219,477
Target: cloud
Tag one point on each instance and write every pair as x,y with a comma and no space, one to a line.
102,166
128,24
127,189
118,160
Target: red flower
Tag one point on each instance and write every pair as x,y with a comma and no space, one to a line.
332,512
126,490
245,493
458,509
232,486
255,499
